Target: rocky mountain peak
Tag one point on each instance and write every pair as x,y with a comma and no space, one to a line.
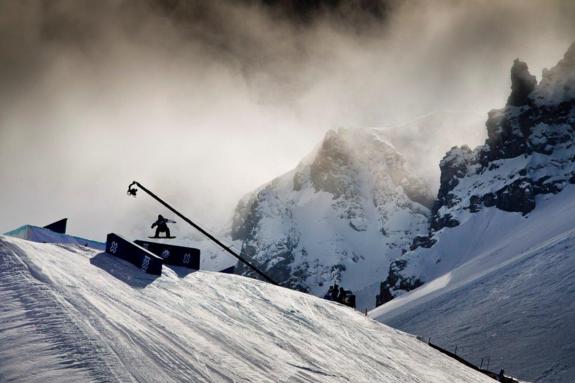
522,84
529,149
346,154
346,210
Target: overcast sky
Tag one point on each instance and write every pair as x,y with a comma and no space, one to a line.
203,101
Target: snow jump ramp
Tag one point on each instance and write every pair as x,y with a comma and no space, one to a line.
133,253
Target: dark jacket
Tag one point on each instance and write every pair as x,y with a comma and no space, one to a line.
162,223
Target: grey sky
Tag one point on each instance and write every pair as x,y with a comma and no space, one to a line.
206,101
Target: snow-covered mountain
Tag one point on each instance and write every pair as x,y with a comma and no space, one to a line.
342,215
74,314
496,260
506,291
530,151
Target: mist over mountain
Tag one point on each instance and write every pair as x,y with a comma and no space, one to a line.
342,215
500,239
529,152
498,235
205,101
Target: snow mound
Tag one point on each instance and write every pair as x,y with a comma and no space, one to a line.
72,314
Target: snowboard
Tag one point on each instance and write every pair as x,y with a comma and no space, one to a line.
162,237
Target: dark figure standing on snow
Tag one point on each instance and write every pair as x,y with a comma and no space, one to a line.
161,226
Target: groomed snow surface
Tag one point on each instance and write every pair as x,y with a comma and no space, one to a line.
502,286
74,314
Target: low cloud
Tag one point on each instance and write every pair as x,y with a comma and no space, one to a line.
204,101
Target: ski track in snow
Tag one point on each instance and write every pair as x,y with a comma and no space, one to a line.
72,314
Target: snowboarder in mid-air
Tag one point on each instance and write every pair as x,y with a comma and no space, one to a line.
161,226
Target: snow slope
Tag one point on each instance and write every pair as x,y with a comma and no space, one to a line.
43,235
72,314
505,290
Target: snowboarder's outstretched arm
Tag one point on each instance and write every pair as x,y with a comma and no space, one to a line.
161,225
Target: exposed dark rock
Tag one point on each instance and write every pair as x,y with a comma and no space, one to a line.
441,221
328,170
520,129
396,281
504,138
453,167
281,270
489,200
516,197
528,152
422,241
245,219
542,186
474,203
522,84
356,227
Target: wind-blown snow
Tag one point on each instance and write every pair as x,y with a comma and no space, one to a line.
558,83
72,314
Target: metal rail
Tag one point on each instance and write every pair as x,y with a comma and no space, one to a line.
132,192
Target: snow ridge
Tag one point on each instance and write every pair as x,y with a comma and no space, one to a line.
73,314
